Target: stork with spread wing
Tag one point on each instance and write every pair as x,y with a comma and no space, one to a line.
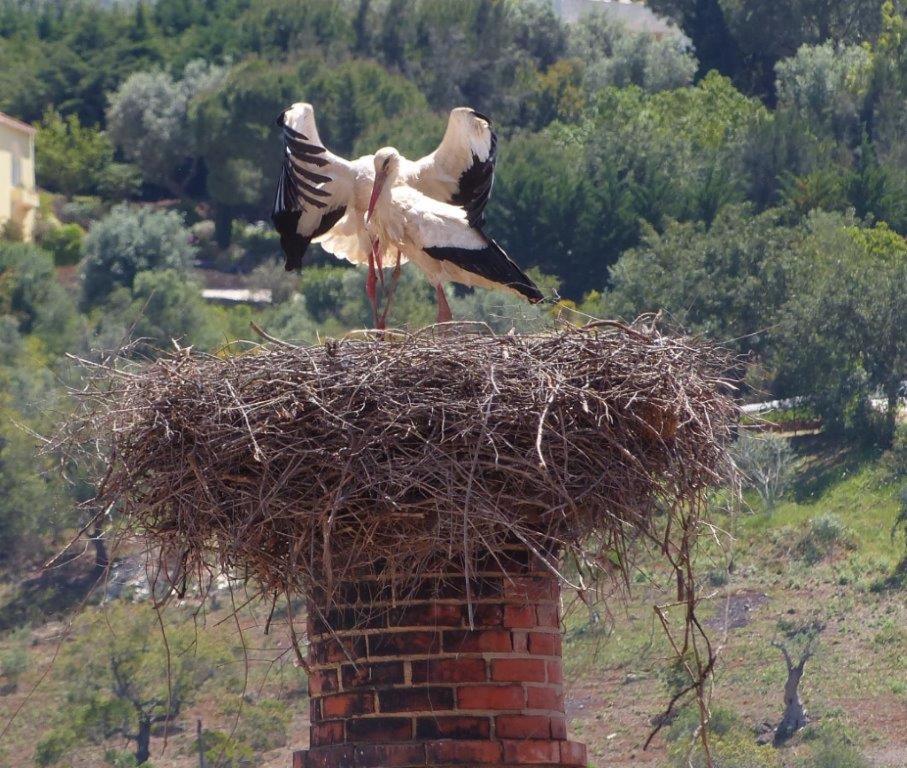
323,198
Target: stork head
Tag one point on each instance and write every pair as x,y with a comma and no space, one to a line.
387,166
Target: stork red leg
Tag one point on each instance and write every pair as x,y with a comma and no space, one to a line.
444,313
395,278
371,283
378,262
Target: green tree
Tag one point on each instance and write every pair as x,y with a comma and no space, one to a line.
726,281
148,119
31,294
128,241
168,306
71,158
844,327
826,86
124,678
744,39
233,126
617,56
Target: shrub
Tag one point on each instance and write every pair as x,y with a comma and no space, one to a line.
55,743
894,460
64,244
263,726
322,288
120,181
723,720
273,277
30,293
767,463
730,743
14,661
258,243
831,747
82,210
224,751
825,534
132,240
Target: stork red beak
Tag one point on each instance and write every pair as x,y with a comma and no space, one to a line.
380,178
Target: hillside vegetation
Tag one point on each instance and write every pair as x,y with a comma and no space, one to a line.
745,176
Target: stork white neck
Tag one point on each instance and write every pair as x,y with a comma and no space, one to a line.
387,168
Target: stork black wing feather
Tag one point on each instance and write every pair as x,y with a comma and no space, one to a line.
296,193
475,183
490,262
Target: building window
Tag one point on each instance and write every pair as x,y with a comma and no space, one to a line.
17,170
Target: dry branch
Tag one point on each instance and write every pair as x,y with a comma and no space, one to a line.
385,458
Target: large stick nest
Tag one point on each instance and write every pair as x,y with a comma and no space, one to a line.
389,455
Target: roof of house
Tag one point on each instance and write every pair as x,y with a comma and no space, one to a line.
18,124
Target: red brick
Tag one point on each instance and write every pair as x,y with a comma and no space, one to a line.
520,641
429,615
555,672
573,753
544,644
481,586
346,704
531,752
458,752
478,641
485,615
547,615
322,681
559,728
332,649
372,673
329,757
522,727
494,697
522,616
544,697
531,588
403,643
415,699
327,733
389,755
467,670
379,729
457,727
518,670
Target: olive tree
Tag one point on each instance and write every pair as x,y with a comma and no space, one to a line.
128,241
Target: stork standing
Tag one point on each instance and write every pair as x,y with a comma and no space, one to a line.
322,197
438,238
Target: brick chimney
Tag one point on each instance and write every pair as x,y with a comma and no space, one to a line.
454,672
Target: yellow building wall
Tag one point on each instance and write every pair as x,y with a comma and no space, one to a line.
18,201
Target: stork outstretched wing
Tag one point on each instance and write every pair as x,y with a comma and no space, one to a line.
461,170
457,251
314,189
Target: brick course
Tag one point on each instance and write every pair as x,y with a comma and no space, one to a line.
434,680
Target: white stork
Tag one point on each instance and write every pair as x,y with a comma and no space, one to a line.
322,197
439,238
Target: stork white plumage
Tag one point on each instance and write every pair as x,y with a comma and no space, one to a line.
323,198
438,237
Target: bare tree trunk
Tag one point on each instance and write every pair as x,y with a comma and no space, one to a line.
101,558
143,740
794,714
201,746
